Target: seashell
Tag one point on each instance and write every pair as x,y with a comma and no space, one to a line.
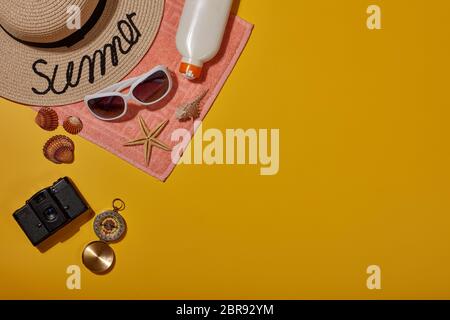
190,110
64,155
59,149
47,119
73,125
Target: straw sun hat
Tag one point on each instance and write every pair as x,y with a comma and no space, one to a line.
47,58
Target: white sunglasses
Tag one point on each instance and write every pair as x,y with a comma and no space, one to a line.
110,104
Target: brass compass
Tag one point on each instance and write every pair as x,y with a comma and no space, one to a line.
109,226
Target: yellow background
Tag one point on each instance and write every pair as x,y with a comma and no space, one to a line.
364,177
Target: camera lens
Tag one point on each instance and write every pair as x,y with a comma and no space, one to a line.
50,214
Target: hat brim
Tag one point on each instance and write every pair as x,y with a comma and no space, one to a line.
60,76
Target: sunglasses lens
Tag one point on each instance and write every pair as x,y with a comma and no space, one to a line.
153,88
107,107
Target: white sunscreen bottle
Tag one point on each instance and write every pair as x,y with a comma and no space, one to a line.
200,33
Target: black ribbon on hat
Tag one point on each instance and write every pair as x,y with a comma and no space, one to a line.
74,37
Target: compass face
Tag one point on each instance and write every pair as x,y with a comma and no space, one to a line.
109,226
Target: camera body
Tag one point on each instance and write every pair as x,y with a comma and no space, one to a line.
49,210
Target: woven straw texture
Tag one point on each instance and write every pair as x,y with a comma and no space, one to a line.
45,21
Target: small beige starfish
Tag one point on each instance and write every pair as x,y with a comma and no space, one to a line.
150,139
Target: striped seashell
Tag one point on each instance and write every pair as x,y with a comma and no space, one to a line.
59,149
47,119
73,125
64,155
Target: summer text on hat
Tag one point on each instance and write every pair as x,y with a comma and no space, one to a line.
59,64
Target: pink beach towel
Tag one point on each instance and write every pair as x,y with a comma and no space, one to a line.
112,136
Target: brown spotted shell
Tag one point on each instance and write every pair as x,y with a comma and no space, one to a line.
59,149
47,119
73,125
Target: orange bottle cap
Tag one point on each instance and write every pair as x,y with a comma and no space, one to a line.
190,71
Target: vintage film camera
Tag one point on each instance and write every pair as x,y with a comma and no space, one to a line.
49,210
